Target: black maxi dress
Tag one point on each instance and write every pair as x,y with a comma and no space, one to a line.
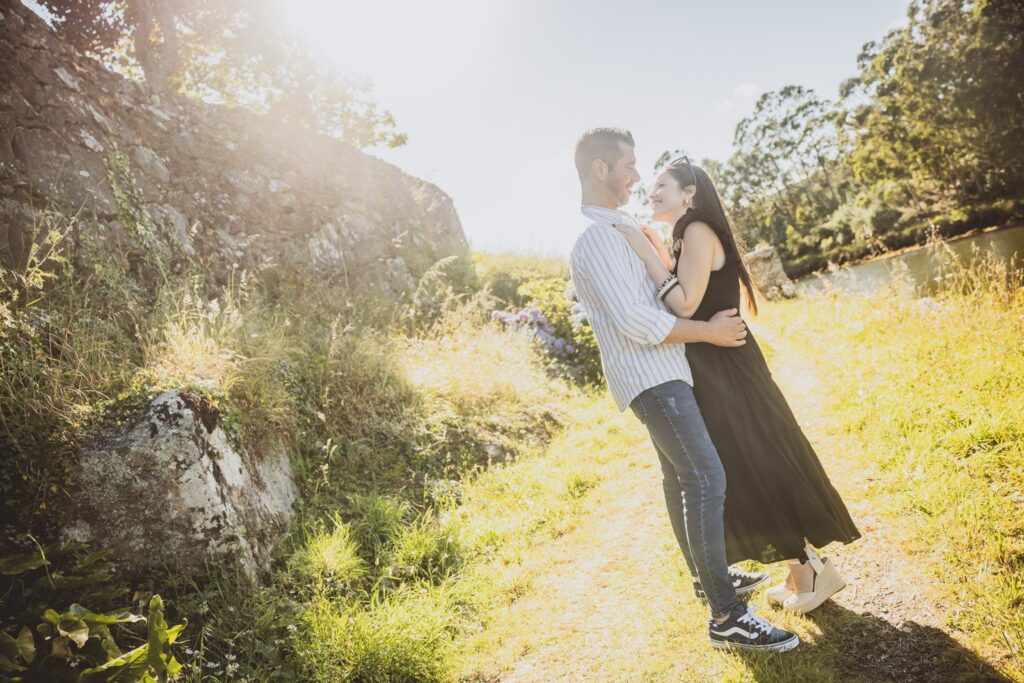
777,492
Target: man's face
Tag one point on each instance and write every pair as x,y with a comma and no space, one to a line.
622,175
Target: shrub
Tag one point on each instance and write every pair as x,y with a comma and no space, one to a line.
406,636
377,521
503,274
564,319
330,556
425,550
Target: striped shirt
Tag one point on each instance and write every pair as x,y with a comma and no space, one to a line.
622,306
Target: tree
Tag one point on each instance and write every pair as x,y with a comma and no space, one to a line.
785,174
932,125
226,51
100,27
940,102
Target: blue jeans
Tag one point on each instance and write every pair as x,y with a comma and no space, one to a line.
694,484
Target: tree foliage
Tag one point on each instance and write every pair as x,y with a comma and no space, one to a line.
930,132
226,51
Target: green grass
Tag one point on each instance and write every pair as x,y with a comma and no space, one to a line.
406,636
930,393
331,555
450,481
389,408
442,572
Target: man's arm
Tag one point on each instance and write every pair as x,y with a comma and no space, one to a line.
602,258
725,328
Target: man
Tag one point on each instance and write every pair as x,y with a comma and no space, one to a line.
644,360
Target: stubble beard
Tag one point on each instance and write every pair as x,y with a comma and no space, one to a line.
621,194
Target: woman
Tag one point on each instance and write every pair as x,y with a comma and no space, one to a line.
779,502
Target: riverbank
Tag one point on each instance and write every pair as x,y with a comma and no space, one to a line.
924,267
490,521
901,251
951,226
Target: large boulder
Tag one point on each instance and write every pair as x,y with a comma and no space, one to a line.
765,268
171,490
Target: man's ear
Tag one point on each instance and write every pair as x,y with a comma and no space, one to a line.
599,169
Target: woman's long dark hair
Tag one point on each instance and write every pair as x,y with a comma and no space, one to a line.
707,202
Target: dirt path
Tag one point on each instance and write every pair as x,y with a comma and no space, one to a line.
609,601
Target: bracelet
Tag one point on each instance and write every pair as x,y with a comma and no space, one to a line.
667,285
662,295
664,286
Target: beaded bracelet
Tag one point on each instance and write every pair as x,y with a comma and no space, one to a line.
665,286
662,295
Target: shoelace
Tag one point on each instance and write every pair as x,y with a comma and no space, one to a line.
757,622
741,574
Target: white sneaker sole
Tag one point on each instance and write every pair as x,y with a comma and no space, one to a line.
784,646
805,606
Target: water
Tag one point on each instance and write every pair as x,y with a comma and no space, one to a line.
921,264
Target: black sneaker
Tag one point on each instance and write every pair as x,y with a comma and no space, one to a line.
744,582
744,630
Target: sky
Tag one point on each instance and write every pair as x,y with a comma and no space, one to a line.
494,93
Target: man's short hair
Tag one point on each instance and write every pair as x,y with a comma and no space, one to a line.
600,143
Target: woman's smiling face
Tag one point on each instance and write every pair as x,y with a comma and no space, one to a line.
667,198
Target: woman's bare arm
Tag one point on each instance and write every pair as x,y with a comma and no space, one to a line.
700,244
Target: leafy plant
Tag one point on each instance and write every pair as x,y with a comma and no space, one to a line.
57,645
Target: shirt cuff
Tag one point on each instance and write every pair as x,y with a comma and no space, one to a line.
660,330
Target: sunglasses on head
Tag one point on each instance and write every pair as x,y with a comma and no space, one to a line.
684,160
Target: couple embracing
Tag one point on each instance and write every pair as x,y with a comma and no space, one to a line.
741,481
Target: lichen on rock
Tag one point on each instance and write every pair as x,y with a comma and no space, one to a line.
171,490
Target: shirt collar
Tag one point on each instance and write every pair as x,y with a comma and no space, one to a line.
601,214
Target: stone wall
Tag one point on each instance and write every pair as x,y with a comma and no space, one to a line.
163,185
161,181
